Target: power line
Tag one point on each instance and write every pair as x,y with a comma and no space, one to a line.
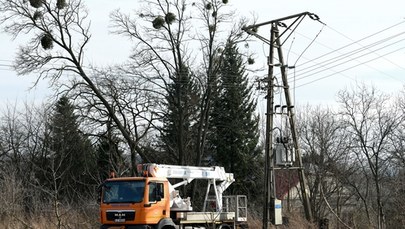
353,42
345,58
313,40
350,54
390,27
348,68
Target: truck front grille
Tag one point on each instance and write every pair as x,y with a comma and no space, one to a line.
120,215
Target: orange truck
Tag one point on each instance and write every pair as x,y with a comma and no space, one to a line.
150,201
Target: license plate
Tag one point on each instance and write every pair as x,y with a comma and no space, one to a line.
119,220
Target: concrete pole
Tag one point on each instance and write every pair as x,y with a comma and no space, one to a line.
303,182
269,162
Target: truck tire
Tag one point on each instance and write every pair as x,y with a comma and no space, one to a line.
168,227
166,223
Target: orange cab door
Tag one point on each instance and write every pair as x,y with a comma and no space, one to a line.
157,204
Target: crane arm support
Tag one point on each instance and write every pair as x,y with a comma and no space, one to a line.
186,172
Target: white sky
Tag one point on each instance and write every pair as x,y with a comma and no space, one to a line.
346,22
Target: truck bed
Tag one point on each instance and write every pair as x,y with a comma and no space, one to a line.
206,217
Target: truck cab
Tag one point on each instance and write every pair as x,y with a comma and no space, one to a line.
141,201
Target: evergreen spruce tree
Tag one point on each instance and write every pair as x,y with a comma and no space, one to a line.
177,134
72,161
109,157
234,138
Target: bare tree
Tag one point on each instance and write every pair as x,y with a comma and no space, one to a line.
326,144
59,33
396,183
398,139
371,119
132,102
21,144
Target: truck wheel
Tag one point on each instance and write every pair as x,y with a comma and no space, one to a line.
168,227
224,226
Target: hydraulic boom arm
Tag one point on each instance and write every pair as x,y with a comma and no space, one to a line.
216,176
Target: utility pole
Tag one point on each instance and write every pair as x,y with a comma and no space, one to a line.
291,116
270,192
275,44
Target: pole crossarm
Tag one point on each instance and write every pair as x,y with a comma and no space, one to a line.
311,15
252,29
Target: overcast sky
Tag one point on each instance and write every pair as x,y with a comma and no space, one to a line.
322,69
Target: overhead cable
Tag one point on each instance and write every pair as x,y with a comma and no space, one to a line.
318,79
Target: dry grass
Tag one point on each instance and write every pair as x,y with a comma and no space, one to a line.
83,217
43,222
77,219
295,221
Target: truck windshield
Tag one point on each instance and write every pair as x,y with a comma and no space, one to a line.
123,191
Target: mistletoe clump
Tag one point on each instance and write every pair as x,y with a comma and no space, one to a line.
208,6
251,60
211,28
169,18
37,15
158,22
46,41
225,1
61,4
36,3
